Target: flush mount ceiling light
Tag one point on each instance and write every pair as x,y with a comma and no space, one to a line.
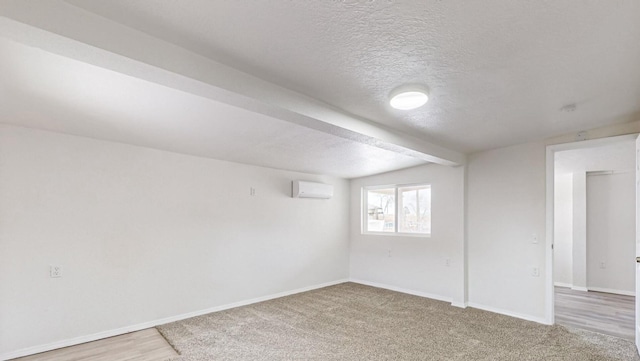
409,97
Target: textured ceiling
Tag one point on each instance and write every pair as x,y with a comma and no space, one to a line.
303,85
46,91
619,156
500,72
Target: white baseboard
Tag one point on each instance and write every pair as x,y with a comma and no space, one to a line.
403,290
456,304
541,320
141,326
609,290
595,289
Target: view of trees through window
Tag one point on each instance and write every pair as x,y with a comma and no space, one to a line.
415,209
382,210
401,209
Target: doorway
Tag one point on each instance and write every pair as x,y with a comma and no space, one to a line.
591,213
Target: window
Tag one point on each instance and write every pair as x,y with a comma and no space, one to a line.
403,209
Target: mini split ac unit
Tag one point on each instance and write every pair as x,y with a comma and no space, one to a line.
302,189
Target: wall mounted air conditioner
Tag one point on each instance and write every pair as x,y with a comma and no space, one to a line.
303,189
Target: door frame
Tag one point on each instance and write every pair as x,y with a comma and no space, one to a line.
550,163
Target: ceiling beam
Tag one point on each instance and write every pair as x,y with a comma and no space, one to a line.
60,28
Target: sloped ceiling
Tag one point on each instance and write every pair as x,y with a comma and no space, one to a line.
304,85
47,91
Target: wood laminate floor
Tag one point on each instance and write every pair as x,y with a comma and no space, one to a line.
606,313
145,345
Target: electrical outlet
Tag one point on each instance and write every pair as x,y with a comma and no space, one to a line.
389,253
534,238
252,191
603,265
55,271
535,272
447,262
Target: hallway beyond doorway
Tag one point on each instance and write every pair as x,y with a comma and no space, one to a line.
606,313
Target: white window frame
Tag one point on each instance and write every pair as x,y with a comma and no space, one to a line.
365,211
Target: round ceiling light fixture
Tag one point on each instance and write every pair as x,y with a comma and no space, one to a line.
409,97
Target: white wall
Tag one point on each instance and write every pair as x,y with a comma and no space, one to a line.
506,207
579,231
563,230
144,234
415,264
611,232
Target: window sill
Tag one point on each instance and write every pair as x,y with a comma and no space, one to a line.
397,234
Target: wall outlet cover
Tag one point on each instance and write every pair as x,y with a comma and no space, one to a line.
535,272
55,271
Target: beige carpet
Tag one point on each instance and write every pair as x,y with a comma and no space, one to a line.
355,322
